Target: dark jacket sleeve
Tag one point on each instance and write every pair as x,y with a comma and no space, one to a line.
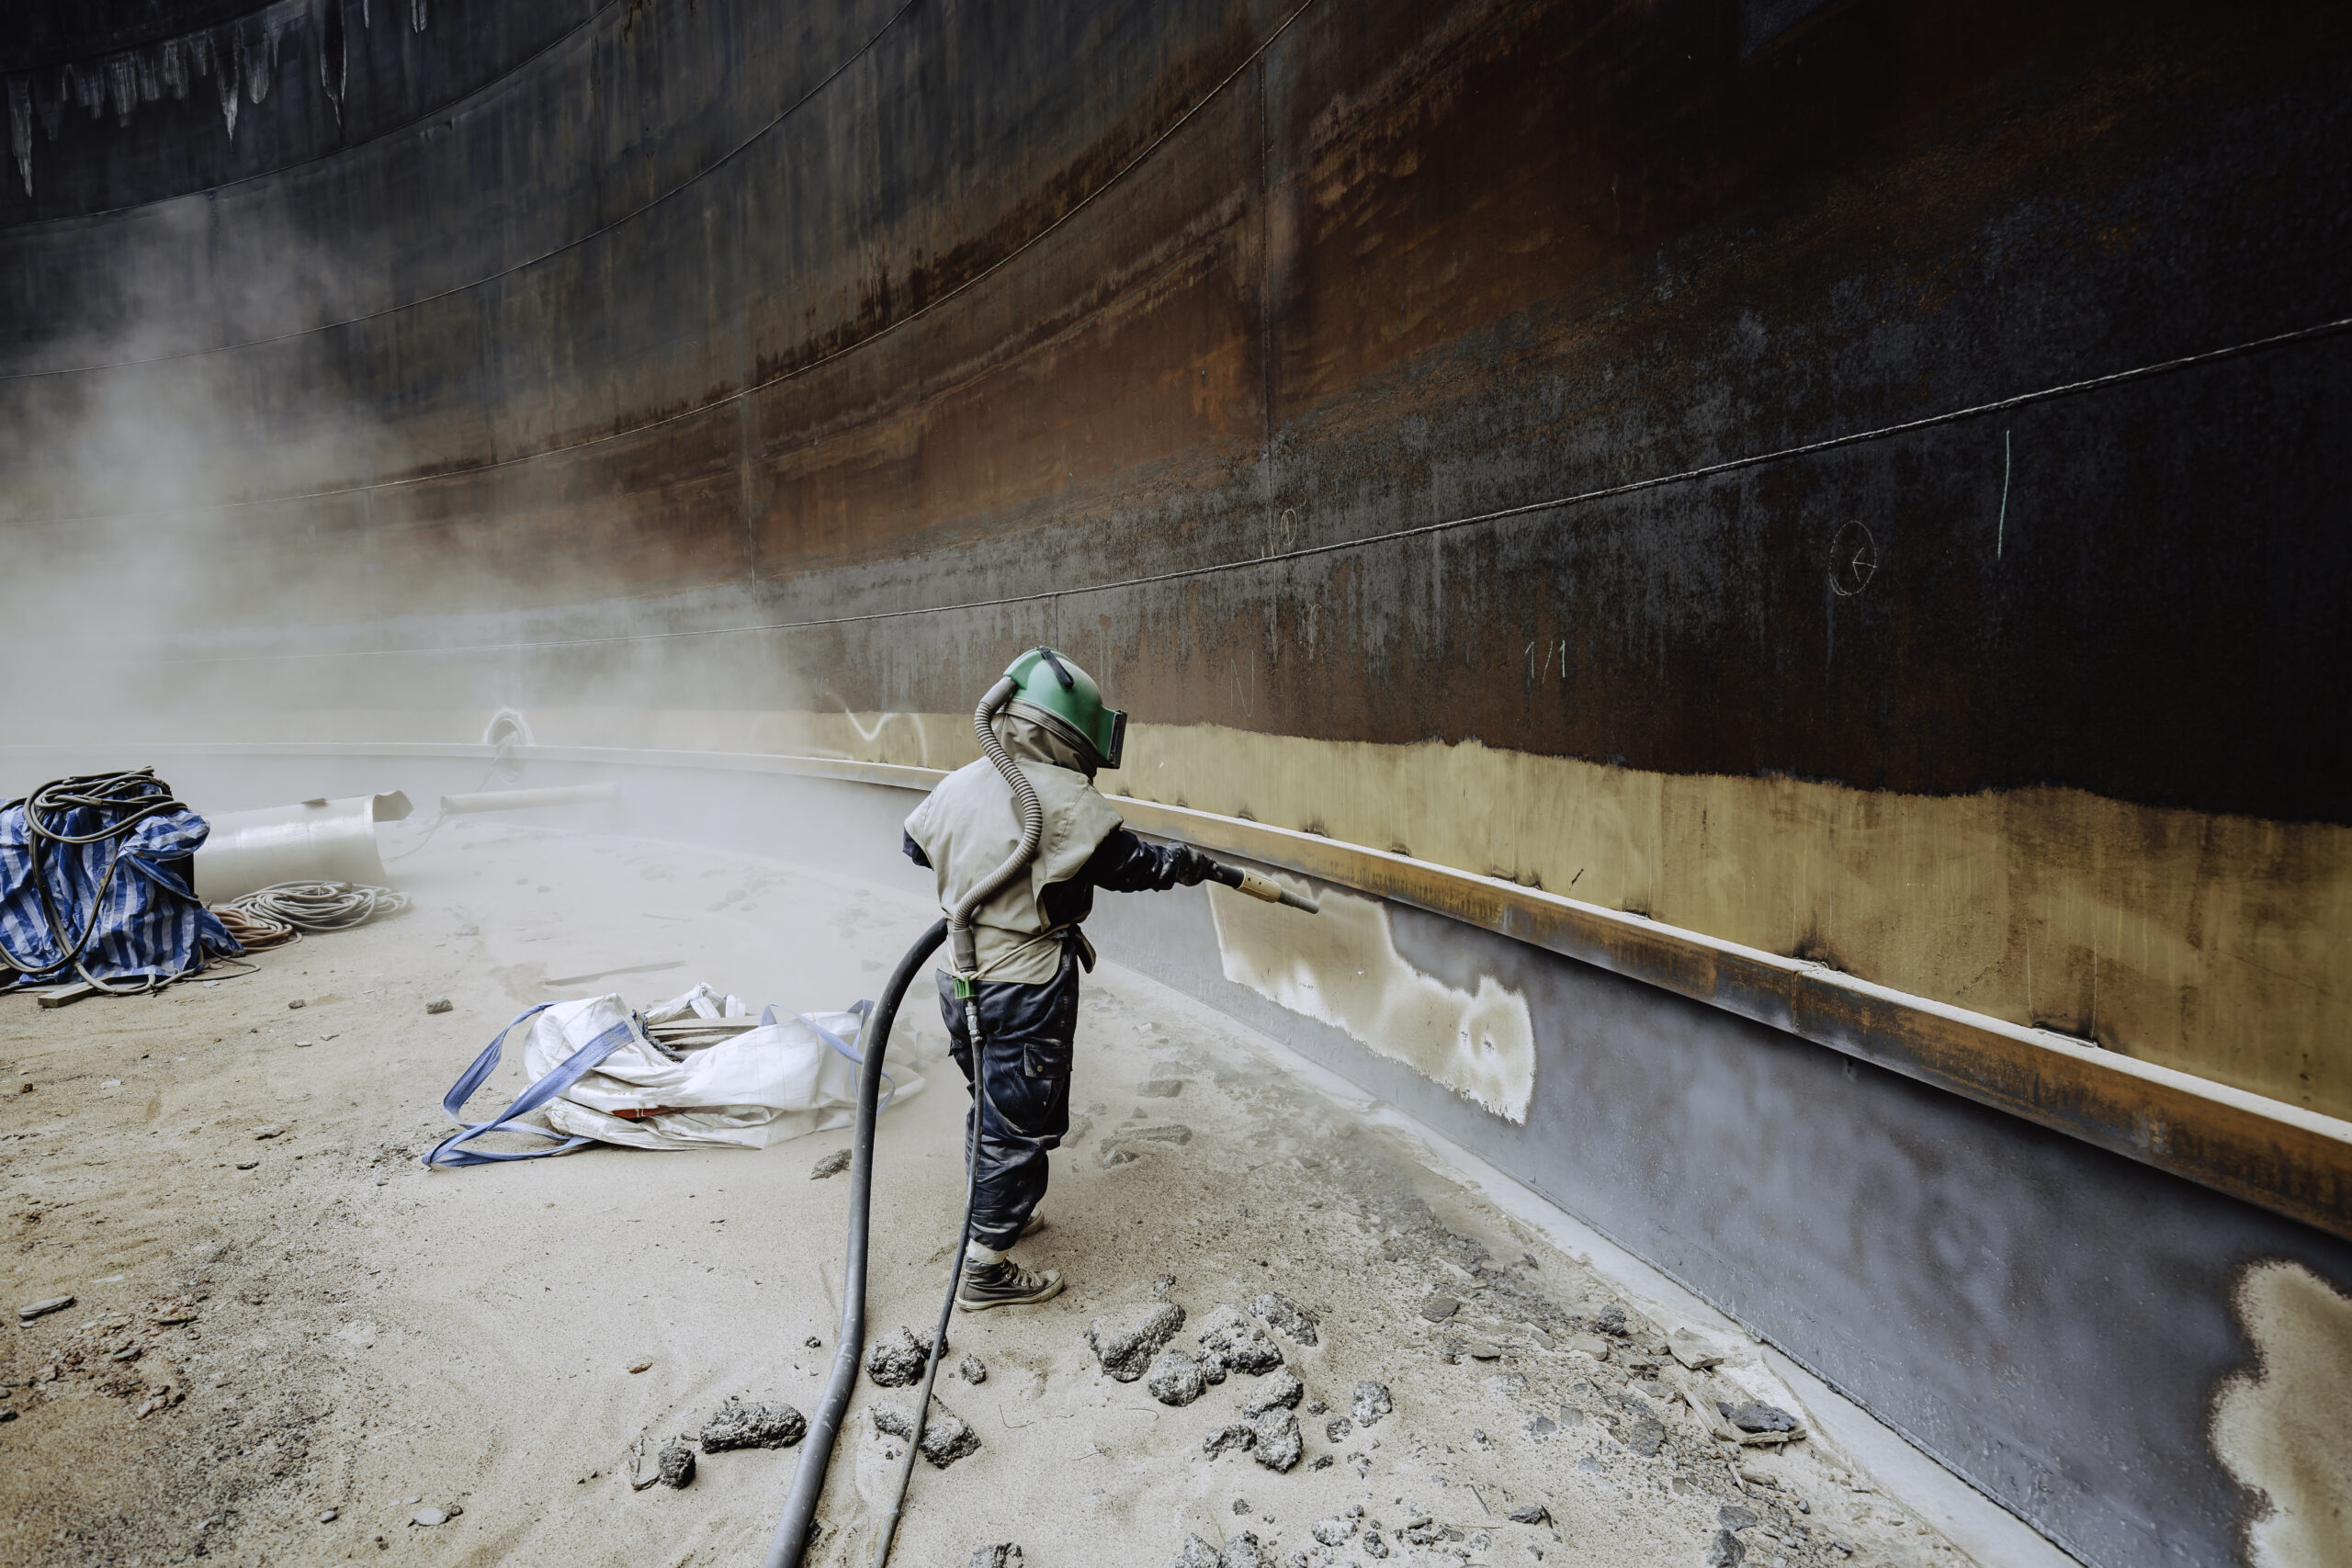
1124,863
914,850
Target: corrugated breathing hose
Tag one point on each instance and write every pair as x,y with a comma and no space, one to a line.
791,1539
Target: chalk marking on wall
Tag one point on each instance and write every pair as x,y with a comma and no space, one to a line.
1343,968
2278,1430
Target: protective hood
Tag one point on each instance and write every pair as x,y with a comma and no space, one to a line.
1029,741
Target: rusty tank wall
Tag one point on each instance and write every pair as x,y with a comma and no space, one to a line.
1861,479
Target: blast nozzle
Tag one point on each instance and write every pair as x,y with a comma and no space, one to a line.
1261,887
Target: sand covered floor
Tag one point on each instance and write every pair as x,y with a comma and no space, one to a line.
291,1341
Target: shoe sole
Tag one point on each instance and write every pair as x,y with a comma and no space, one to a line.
962,1305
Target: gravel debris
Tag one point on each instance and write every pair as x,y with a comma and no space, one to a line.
832,1165
1277,1444
897,1360
1175,1379
1125,1340
1288,1318
946,1437
972,1370
677,1465
1229,1339
1372,1402
1282,1389
438,1004
741,1425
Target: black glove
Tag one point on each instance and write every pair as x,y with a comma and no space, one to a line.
1188,866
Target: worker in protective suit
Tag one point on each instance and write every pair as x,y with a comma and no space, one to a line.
1029,944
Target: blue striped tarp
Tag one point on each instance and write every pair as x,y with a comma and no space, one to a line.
149,923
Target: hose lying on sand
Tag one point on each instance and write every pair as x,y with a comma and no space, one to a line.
268,916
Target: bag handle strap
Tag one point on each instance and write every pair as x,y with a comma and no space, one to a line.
448,1153
861,1009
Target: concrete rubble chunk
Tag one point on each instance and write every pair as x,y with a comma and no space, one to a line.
1332,1531
677,1461
1374,1546
1281,1390
1243,1551
832,1165
897,1360
429,1518
1372,1402
1754,1415
1175,1379
1337,1428
438,1004
1725,1551
1533,1514
1230,1340
1592,1345
1277,1444
1125,1339
946,1437
1196,1553
1610,1320
1692,1351
1004,1554
1736,1515
1438,1308
1239,1435
972,1370
741,1425
1284,1316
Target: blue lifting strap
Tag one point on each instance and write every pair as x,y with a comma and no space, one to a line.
447,1154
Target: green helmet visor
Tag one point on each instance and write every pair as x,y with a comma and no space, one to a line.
1066,697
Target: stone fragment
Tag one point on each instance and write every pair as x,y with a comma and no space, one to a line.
1239,1435
269,1132
438,1004
1725,1551
1734,1516
739,1424
1533,1514
1755,1477
1241,1504
1230,1340
1372,1545
299,1002
677,1462
832,1165
972,1370
1277,1445
330,1516
1754,1415
1691,1351
1175,1379
1197,1553
1126,1340
1243,1551
1004,1554
429,1518
31,1310
897,1360
1371,1403
1332,1531
1483,1350
946,1437
1282,1389
1592,1345
1644,1435
1610,1320
249,1165
1284,1316
1438,1308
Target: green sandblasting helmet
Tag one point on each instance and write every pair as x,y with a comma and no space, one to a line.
1058,694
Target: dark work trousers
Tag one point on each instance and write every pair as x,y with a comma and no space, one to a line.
1028,1034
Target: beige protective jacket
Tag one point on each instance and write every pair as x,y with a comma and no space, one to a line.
969,825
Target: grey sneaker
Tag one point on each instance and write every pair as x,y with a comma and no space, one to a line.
1005,1284
1030,1226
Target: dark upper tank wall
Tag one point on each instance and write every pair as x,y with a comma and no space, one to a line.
868,309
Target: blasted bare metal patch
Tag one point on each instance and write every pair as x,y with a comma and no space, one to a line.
2277,1429
1343,968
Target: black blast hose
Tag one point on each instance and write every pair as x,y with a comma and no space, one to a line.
816,1450
791,1542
